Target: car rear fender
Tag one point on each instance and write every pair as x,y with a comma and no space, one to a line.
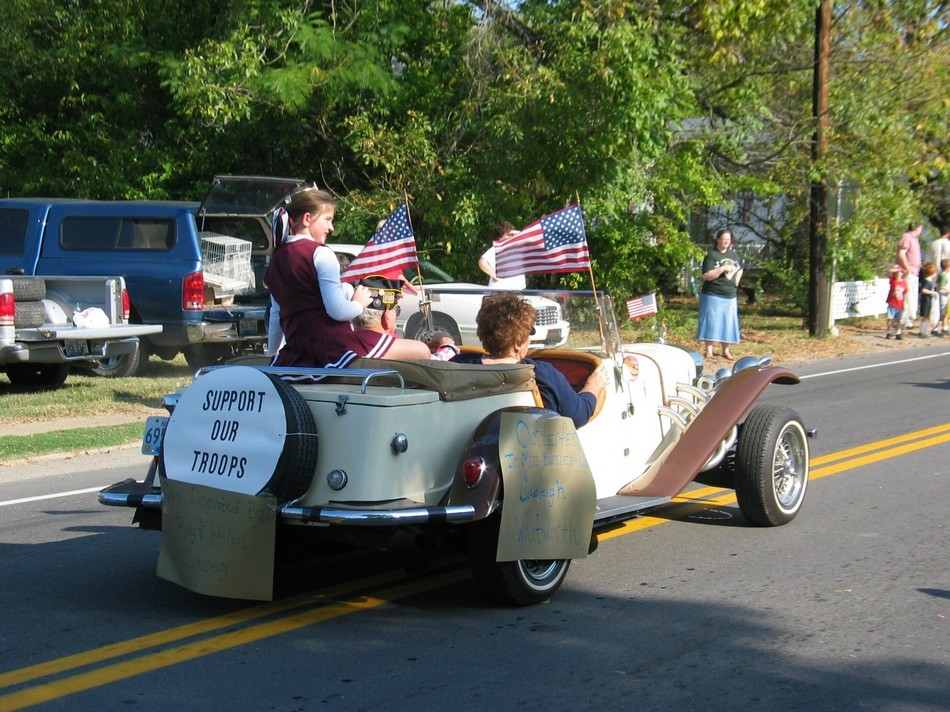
686,454
486,494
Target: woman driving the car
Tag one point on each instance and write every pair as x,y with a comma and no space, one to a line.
505,322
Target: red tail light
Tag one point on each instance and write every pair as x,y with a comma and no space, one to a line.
7,309
126,305
472,471
193,292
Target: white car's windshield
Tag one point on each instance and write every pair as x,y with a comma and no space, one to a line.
431,274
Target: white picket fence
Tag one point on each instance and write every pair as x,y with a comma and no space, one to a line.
858,299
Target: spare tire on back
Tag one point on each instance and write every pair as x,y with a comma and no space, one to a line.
29,315
28,289
240,430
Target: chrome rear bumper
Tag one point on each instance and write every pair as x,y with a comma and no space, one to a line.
139,494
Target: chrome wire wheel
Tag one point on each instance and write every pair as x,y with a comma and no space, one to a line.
538,573
790,463
771,465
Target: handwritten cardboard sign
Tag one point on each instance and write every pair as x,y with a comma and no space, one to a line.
218,543
550,497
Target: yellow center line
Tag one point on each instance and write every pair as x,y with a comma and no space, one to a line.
137,645
321,606
880,444
199,648
707,497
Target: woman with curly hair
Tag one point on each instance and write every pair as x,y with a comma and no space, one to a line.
505,322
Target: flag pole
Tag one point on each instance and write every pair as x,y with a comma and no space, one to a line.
405,197
593,286
423,302
590,265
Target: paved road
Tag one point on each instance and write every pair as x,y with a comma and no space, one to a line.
844,609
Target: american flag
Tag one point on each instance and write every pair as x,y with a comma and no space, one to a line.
555,243
391,250
641,306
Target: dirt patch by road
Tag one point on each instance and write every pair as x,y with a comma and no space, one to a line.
849,341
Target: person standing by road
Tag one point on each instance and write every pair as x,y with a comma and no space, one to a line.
928,298
940,251
943,296
486,263
908,257
895,302
719,297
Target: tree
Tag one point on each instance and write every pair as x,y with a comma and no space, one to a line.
646,111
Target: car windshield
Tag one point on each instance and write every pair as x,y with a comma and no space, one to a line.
432,274
591,320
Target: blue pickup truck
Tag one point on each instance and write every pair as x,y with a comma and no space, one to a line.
196,269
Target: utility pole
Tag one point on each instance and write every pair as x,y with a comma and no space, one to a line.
818,292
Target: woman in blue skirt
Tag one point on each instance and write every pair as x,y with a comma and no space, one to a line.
718,299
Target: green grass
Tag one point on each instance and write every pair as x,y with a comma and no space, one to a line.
86,395
18,447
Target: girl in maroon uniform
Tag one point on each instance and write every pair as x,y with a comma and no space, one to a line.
315,306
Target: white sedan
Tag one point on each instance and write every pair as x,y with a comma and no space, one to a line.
453,311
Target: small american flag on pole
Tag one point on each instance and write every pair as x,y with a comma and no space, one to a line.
641,306
555,243
391,250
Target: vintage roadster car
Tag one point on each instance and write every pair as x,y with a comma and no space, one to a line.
462,454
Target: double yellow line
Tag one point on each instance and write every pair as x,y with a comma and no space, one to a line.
162,649
876,452
313,608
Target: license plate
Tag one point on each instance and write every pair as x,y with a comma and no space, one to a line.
247,327
74,348
154,434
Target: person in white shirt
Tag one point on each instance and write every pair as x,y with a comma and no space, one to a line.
486,262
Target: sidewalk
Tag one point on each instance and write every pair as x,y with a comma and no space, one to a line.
93,421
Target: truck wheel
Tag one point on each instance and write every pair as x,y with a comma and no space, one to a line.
28,289
200,355
124,366
44,375
771,465
416,327
519,583
269,447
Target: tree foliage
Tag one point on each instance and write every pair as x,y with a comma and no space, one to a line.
647,112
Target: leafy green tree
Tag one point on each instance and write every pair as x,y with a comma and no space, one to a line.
647,112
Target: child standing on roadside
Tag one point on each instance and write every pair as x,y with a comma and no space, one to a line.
943,291
895,302
928,293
